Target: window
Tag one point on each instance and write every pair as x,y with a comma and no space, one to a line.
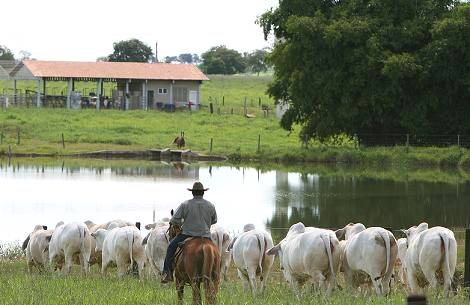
162,91
180,95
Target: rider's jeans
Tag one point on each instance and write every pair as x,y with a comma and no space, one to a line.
172,246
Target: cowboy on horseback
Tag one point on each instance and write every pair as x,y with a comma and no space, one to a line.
195,216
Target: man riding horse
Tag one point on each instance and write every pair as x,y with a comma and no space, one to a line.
195,216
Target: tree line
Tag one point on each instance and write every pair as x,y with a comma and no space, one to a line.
217,60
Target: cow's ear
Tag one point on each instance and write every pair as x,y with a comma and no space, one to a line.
171,213
274,250
44,227
340,233
25,243
48,238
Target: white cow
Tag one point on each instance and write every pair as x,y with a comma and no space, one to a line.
156,244
37,247
400,263
250,259
122,246
308,254
430,252
372,251
68,240
222,240
95,257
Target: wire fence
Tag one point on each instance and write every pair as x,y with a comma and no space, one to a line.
416,140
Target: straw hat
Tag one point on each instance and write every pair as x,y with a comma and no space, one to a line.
197,186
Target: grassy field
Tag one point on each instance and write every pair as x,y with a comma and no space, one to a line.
45,288
233,135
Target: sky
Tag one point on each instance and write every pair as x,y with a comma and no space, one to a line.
85,30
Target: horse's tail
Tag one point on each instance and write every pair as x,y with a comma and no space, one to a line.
209,262
210,270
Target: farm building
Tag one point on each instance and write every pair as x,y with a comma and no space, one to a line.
136,85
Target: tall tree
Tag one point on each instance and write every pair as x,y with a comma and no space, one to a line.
132,50
221,60
366,66
6,53
256,61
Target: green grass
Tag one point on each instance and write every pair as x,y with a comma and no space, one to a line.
45,288
233,135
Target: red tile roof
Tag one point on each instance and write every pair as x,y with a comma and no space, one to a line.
114,70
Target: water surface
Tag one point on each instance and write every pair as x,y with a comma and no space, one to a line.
269,198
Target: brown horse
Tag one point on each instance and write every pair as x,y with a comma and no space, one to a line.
196,262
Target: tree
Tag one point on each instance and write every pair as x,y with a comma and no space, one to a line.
132,50
6,53
185,58
256,61
221,60
371,66
170,59
24,55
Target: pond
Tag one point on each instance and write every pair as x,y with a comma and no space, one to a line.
45,192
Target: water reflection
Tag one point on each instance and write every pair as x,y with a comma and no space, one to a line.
59,190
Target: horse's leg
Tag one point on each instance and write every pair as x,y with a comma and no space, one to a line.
196,285
179,290
210,291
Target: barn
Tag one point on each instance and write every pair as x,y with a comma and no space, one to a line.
137,85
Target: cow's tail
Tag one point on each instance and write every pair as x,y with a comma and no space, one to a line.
262,248
81,236
220,240
386,238
327,242
445,264
130,242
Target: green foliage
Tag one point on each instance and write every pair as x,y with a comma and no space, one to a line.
6,53
256,61
132,50
371,66
221,60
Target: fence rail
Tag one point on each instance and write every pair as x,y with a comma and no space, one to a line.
414,140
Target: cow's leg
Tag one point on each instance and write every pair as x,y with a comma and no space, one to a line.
252,278
104,265
30,266
413,282
141,266
122,265
68,261
430,276
196,286
246,283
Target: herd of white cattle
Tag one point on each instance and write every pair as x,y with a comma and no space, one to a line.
366,256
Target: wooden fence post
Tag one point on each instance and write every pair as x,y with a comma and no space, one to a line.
231,111
259,102
211,108
458,141
259,142
1,138
210,147
18,136
244,108
467,262
63,141
223,100
407,142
